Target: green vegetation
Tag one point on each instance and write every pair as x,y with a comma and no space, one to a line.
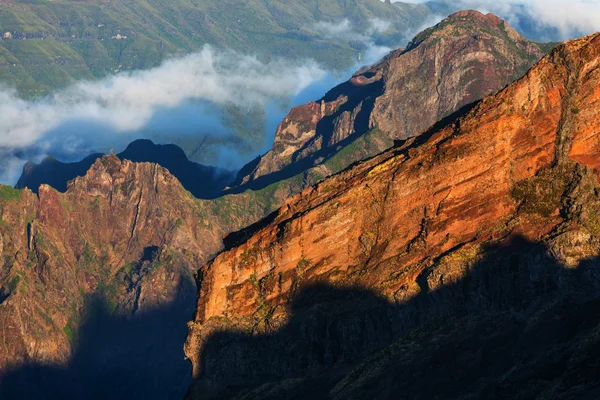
128,268
46,44
14,283
70,330
8,193
368,145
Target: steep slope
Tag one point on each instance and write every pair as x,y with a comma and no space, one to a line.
488,216
96,283
462,59
44,45
201,181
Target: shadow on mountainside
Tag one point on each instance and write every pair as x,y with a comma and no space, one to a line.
520,325
201,181
116,356
325,131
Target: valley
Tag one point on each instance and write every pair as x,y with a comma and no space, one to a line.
428,227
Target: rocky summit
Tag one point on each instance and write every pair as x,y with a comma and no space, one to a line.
464,58
96,282
460,264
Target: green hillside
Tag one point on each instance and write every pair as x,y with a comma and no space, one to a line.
46,44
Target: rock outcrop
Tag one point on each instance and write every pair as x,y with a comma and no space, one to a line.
96,283
480,231
461,60
202,181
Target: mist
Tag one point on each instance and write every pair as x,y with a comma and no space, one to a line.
182,101
541,20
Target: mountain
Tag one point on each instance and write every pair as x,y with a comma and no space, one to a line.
96,283
201,181
45,45
462,263
464,58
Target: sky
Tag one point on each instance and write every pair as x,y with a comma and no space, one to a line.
547,19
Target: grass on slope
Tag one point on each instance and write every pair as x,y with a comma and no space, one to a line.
74,40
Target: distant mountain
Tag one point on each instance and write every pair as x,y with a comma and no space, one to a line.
460,60
45,45
463,263
53,172
202,181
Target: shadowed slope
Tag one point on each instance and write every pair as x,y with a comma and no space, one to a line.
116,356
203,182
503,198
518,325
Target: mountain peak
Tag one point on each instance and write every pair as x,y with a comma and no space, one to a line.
474,14
202,181
469,23
460,60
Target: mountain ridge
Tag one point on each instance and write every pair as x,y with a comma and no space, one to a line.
516,172
202,181
468,55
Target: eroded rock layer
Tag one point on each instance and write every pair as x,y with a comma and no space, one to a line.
461,60
482,234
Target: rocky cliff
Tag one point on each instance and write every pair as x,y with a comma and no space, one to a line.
461,263
96,283
202,181
462,59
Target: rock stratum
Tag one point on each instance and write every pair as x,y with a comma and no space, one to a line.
464,58
462,263
96,283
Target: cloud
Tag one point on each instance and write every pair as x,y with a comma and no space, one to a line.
127,101
368,36
183,96
540,19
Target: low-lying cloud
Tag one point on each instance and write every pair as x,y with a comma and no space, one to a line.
127,101
183,96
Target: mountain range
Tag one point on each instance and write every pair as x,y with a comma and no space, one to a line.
201,181
419,230
47,45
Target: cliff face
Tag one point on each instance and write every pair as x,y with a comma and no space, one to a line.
98,280
462,59
492,213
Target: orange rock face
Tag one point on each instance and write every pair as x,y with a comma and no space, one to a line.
416,215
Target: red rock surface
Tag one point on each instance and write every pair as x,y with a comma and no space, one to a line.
521,162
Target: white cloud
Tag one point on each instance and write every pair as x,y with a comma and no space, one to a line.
183,96
570,18
126,102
